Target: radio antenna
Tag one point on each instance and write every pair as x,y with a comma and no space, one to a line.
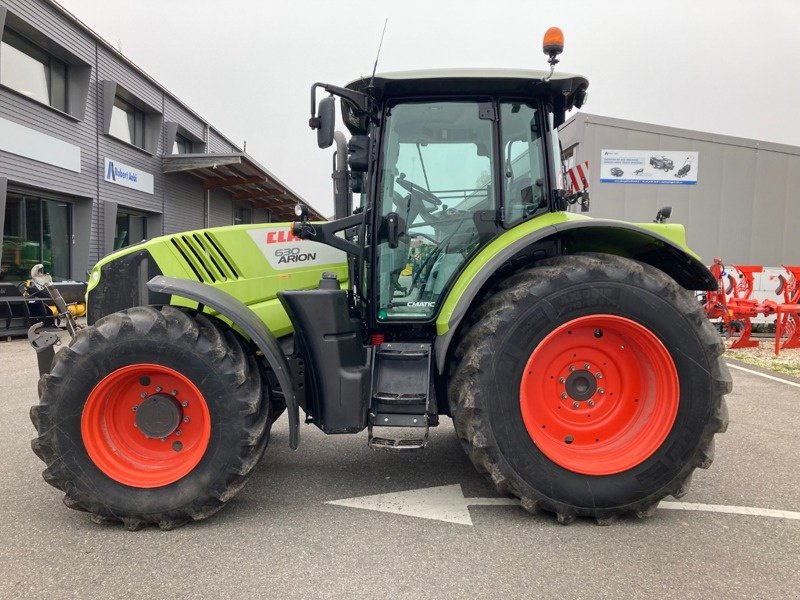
375,66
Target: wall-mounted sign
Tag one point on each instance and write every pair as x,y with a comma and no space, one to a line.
648,166
116,172
24,141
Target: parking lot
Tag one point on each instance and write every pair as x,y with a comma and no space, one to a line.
280,538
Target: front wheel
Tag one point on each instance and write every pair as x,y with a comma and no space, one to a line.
589,386
151,416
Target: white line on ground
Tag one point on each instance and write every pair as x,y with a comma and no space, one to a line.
786,381
447,503
731,510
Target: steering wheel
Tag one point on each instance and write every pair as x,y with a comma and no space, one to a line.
417,190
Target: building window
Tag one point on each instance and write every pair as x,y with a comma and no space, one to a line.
127,122
182,145
131,229
36,230
32,71
242,214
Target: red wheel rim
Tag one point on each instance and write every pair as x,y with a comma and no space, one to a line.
115,439
599,394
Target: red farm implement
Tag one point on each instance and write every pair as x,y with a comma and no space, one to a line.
733,302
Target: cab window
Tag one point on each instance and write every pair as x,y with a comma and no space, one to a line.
523,161
437,173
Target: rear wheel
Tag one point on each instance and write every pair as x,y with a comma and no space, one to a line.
151,416
589,386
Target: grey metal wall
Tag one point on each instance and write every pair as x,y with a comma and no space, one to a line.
745,207
178,201
220,209
217,143
261,215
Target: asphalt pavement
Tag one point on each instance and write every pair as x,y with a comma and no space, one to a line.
280,539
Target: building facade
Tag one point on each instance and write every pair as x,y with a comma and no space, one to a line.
738,198
96,155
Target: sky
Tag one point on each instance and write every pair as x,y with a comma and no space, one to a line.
730,67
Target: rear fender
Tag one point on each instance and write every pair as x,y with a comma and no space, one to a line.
662,246
245,319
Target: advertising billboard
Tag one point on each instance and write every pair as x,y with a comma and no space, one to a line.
649,166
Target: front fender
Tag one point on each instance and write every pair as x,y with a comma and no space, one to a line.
250,324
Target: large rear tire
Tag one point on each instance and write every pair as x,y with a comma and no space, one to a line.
151,416
590,385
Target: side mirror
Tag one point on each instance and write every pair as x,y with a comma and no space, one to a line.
358,151
663,214
580,98
325,122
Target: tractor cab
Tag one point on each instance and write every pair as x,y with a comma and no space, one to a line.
446,161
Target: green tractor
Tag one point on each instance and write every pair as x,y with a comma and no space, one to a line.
579,371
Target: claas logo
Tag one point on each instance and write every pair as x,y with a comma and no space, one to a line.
280,236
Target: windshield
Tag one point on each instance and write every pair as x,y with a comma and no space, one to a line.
436,174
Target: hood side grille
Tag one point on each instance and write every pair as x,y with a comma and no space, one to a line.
205,258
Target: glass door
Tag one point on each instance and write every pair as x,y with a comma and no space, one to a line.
437,173
36,230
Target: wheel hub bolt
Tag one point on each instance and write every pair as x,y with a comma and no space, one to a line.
576,405
184,404
177,432
143,395
185,419
174,392
564,395
135,408
586,366
561,380
601,391
599,376
571,368
158,388
590,403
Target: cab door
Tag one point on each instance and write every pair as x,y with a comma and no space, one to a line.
437,175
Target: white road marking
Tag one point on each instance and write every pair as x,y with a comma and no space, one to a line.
732,510
447,503
442,503
786,381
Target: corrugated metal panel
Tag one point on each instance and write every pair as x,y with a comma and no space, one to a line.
221,209
110,67
261,215
183,203
173,111
216,143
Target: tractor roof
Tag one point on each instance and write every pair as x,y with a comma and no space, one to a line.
513,82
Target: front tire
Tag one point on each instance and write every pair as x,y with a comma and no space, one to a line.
590,385
151,416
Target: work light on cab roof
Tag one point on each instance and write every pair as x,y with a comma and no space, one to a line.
553,45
